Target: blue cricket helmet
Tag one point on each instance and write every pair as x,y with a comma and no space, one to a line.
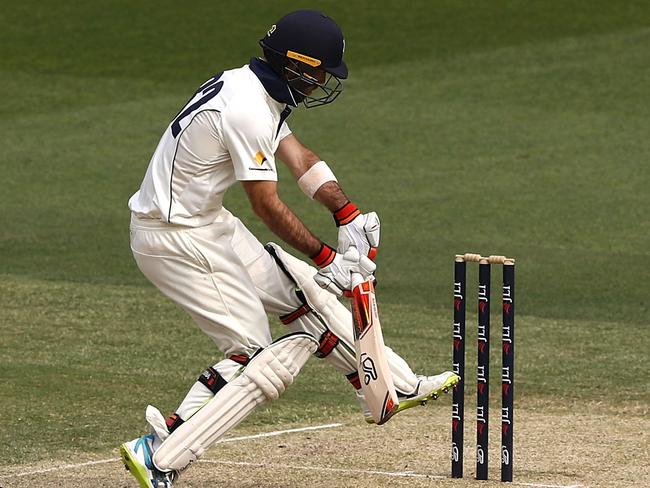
303,47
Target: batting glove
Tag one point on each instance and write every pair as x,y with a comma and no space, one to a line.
336,277
357,230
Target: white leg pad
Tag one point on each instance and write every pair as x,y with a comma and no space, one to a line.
265,378
337,316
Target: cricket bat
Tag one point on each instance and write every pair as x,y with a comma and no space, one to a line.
372,366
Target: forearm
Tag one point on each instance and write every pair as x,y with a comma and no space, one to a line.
317,182
316,179
331,196
287,226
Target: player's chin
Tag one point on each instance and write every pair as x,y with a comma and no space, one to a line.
303,88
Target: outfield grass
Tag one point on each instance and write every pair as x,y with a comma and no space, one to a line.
509,127
91,357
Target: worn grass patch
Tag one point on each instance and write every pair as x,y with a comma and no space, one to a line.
589,447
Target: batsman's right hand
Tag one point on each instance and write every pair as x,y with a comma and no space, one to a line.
337,276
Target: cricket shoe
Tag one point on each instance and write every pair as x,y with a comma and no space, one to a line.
428,388
137,456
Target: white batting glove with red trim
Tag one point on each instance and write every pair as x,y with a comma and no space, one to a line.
336,277
357,230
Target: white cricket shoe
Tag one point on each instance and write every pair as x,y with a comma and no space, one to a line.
428,388
137,456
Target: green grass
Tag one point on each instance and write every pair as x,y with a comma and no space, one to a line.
78,369
510,127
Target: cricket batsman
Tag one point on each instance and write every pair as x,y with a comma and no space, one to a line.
234,129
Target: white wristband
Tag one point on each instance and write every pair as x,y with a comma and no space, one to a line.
315,177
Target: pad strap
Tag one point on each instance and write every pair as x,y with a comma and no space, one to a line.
353,378
328,341
296,314
240,359
173,422
212,380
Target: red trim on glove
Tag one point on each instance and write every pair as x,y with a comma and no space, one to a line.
324,257
372,254
346,214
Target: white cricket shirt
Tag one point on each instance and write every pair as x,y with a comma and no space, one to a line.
228,131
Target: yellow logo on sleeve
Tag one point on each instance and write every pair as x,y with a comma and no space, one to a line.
259,157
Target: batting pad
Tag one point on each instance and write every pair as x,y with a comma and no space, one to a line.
265,377
326,309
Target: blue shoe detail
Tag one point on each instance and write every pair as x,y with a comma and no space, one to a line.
137,456
146,443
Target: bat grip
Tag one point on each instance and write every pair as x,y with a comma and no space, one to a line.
357,279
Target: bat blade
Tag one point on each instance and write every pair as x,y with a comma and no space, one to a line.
372,366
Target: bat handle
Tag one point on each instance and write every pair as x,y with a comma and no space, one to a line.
357,279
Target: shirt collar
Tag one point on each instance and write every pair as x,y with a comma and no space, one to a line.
272,83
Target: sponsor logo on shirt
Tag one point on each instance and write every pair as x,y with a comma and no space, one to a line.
261,159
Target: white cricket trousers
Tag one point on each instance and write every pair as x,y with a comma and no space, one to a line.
219,273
